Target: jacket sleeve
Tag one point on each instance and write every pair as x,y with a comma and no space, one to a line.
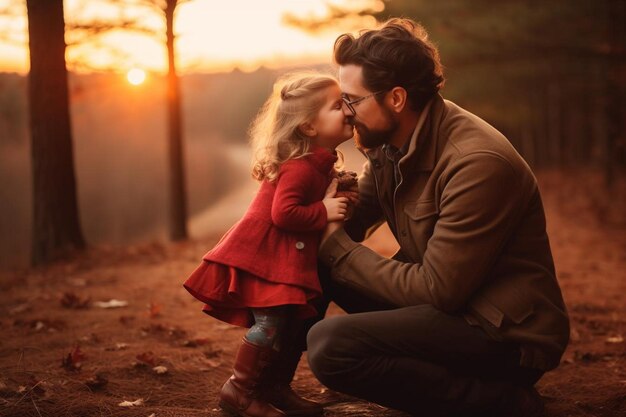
289,211
367,216
481,202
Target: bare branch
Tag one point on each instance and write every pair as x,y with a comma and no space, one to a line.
82,65
155,5
119,58
98,27
334,14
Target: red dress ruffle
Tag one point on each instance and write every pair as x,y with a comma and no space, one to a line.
229,293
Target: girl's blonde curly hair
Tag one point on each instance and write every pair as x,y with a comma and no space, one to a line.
275,134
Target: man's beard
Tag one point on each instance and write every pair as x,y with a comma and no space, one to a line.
370,139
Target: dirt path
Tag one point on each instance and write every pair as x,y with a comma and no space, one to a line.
45,316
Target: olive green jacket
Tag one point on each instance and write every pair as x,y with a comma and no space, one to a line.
471,227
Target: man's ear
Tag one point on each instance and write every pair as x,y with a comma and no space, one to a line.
308,129
398,98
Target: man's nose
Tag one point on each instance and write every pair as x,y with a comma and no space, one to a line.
346,110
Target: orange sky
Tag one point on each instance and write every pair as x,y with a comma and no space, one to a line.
212,36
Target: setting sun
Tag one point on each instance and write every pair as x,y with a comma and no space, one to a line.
136,76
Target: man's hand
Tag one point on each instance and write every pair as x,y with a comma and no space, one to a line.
336,207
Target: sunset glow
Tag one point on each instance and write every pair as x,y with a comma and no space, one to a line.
211,36
136,76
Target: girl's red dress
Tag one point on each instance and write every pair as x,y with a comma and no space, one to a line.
269,257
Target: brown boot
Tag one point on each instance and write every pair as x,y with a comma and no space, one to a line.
240,394
277,389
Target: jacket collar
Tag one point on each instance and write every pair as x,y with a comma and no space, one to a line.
421,154
423,143
322,158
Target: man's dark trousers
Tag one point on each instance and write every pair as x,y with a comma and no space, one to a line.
416,359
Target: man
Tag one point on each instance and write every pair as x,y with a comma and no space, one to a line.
468,315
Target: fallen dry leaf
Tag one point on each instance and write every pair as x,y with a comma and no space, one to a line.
160,369
113,303
135,403
40,324
73,360
21,308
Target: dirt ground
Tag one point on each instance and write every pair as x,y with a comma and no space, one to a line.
62,355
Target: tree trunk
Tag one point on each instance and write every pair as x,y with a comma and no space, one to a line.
56,224
178,196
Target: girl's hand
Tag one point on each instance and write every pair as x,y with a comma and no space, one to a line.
353,200
336,207
352,195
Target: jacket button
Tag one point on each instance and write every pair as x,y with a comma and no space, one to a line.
299,245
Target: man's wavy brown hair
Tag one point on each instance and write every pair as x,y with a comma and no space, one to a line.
396,54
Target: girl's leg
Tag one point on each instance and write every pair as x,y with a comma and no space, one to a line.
240,394
268,323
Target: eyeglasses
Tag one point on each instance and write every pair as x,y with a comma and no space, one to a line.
350,103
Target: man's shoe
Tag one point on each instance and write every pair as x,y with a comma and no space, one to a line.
277,378
284,398
522,402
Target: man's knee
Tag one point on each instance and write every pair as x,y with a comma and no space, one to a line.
329,349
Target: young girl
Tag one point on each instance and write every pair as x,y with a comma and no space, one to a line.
262,274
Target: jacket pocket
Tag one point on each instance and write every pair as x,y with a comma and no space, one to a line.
519,312
417,227
513,312
421,209
485,309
